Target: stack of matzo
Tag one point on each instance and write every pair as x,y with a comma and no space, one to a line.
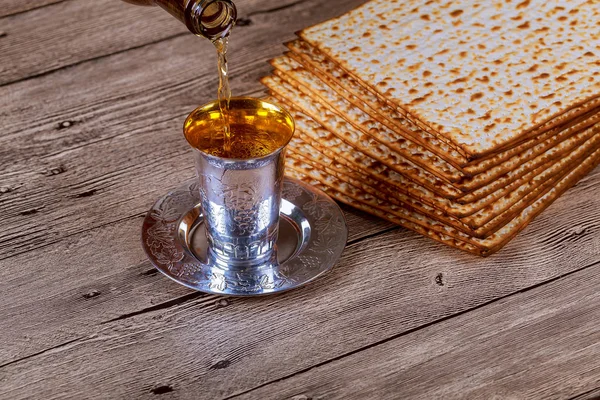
459,120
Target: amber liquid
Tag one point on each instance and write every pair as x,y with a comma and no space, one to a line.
245,142
224,93
255,129
236,128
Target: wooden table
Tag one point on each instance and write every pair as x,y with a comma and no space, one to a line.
92,99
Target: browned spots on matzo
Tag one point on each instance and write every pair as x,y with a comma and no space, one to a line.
489,127
414,67
487,115
561,66
488,38
544,75
459,80
476,96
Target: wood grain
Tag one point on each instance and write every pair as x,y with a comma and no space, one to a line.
12,7
76,285
540,344
592,394
90,136
35,43
71,32
140,330
114,114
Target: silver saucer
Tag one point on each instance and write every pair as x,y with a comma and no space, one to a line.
312,236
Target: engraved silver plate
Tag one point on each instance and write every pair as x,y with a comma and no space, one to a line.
312,236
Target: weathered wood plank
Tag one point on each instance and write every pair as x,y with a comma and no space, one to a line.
593,394
389,284
155,86
11,7
94,191
540,344
40,41
85,315
78,269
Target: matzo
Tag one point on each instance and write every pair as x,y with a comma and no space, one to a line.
484,182
496,70
412,152
317,165
334,148
379,108
435,229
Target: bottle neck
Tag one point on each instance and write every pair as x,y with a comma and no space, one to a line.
212,19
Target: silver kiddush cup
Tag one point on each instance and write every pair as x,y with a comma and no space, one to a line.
240,185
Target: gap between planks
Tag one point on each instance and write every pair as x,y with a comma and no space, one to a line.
361,255
139,36
410,331
13,8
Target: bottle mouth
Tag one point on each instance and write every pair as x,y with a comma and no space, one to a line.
212,19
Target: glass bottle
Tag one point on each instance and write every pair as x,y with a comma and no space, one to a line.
209,18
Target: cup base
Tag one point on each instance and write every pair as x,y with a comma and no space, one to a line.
312,236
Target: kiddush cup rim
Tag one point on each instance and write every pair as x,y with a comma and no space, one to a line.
242,102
